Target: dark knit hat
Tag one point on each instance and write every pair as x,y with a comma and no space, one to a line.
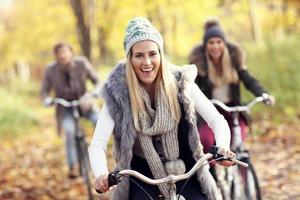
212,29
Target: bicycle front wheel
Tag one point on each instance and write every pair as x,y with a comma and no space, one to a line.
251,184
84,164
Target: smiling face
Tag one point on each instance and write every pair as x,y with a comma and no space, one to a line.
146,61
215,48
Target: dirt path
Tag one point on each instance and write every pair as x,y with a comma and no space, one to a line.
277,161
33,167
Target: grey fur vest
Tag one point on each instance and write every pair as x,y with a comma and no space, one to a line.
116,95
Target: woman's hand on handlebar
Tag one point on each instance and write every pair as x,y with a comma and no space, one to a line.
101,183
268,99
229,154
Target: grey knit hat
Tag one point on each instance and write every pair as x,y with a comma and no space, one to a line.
140,29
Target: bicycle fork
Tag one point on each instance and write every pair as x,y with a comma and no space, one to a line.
173,195
237,132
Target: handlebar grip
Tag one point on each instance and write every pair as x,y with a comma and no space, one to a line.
240,163
112,179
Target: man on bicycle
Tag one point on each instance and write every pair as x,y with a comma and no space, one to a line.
67,76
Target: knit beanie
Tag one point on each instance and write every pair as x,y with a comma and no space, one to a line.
212,29
140,29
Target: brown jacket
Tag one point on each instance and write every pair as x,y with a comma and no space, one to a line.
69,85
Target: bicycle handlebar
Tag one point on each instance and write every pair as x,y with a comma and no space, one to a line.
66,103
237,108
114,177
72,103
171,178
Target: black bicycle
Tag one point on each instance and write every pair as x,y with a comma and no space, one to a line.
238,182
81,144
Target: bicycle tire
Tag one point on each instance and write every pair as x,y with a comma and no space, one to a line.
221,178
238,185
84,165
251,183
230,183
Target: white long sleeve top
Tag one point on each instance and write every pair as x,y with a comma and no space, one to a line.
105,127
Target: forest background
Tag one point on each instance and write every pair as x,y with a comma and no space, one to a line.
268,30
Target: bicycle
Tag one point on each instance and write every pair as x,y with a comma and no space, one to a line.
115,177
80,141
238,182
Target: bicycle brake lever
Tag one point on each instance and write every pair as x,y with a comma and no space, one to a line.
214,150
112,179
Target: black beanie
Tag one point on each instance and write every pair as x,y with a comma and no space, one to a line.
212,29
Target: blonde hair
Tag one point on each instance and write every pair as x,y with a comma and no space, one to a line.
165,80
229,74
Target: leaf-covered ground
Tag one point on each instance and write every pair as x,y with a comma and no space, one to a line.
276,158
32,167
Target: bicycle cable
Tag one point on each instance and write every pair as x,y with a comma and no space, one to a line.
141,187
187,180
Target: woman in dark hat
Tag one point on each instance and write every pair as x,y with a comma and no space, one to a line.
221,67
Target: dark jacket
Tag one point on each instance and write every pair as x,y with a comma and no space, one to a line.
69,85
197,57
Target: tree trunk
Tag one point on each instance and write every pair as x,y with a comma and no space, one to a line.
255,27
102,38
93,30
105,30
83,27
22,71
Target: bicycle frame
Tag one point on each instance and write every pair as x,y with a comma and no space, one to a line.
231,175
236,110
74,105
171,179
81,145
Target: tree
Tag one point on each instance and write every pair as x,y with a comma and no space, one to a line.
81,8
256,31
28,34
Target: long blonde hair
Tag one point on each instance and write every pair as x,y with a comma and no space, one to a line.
229,74
164,79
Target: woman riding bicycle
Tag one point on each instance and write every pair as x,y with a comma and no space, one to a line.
150,108
221,68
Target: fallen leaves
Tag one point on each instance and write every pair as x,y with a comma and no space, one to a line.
33,167
276,159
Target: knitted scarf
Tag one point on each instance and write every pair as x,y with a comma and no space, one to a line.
160,122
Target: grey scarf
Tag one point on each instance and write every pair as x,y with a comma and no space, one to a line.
160,122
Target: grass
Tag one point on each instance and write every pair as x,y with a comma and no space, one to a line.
276,65
18,108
